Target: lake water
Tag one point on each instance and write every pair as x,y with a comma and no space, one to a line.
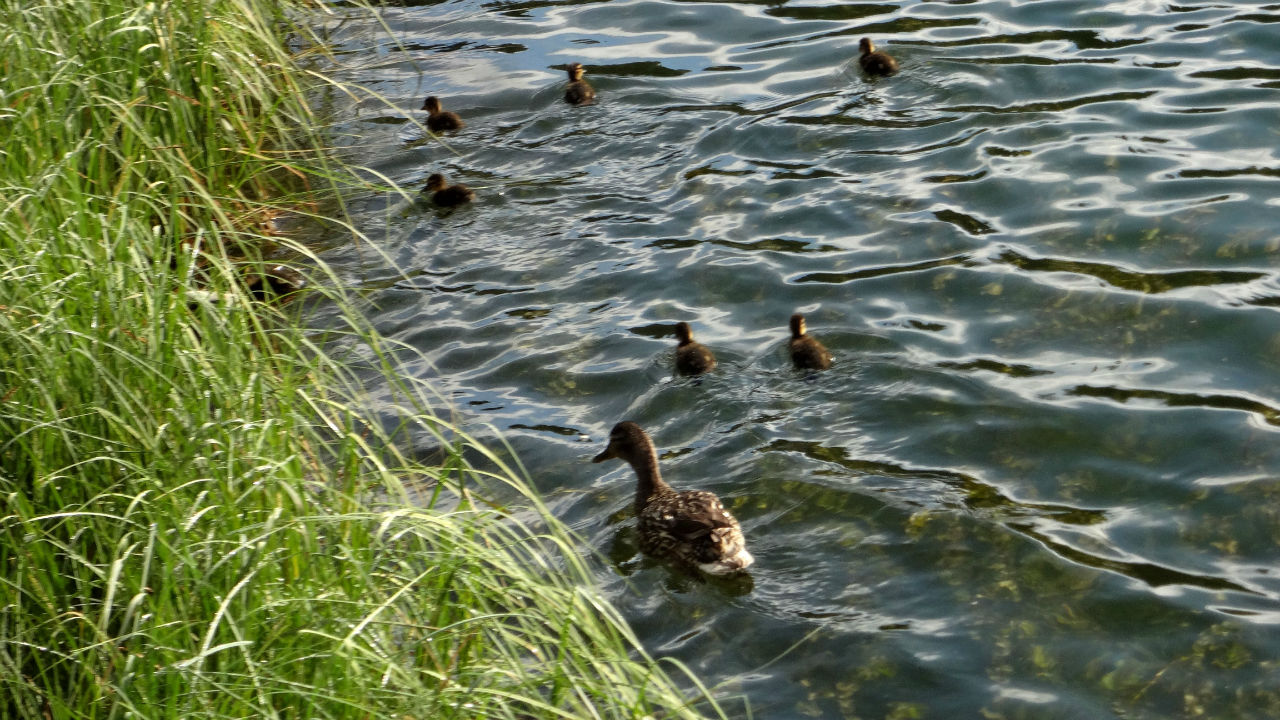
1042,479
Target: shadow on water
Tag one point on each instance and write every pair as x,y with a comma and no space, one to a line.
976,494
1269,414
997,507
1145,282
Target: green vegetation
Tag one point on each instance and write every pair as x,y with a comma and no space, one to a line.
197,520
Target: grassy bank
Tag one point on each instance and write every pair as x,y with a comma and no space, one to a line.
186,526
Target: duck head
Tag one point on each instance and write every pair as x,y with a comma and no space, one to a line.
626,442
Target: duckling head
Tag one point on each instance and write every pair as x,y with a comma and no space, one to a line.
576,71
797,322
435,183
684,333
866,46
431,105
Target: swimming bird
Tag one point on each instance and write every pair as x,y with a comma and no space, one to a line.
806,352
438,119
269,282
875,62
692,357
692,526
446,195
578,92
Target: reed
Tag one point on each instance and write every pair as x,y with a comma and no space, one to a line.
200,516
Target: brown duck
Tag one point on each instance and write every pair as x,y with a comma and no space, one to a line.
806,352
438,119
692,357
691,527
578,92
446,195
875,62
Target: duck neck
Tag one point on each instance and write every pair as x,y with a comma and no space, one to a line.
649,480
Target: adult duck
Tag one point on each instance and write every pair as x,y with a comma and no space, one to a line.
691,527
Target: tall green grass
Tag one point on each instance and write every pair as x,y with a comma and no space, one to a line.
188,525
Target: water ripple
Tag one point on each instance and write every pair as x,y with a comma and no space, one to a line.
1043,254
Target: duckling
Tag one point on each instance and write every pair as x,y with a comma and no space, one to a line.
438,119
692,357
806,352
446,195
873,61
578,92
274,281
691,527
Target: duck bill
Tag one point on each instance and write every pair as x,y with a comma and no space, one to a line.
606,455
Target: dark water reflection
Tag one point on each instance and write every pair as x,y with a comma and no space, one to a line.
1042,479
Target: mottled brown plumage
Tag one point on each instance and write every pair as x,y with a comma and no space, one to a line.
692,357
446,195
806,352
578,92
692,527
875,62
438,119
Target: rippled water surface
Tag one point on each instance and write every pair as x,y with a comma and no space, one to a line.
1042,479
